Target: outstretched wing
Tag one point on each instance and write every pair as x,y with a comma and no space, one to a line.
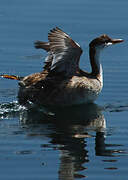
63,52
46,47
66,52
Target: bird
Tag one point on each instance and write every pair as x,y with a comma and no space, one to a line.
62,82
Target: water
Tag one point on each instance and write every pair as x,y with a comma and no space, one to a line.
82,142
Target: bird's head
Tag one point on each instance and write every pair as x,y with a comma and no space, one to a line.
104,41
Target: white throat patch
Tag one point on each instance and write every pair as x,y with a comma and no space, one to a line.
98,63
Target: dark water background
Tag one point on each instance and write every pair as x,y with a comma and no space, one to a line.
82,142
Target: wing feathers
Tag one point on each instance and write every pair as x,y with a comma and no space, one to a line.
64,53
42,45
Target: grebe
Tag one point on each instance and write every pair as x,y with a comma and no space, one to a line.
62,82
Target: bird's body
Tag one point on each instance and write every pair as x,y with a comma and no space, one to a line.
58,90
62,82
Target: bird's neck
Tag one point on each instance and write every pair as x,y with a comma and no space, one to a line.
97,71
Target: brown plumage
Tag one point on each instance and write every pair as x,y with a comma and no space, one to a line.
62,82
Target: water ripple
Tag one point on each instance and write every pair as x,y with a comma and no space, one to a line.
7,109
116,107
11,108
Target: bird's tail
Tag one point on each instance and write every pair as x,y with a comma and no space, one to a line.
13,77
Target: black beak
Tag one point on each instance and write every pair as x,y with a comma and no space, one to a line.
115,41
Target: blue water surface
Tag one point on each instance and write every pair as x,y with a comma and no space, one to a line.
81,142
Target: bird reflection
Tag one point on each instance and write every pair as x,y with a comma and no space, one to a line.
69,129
